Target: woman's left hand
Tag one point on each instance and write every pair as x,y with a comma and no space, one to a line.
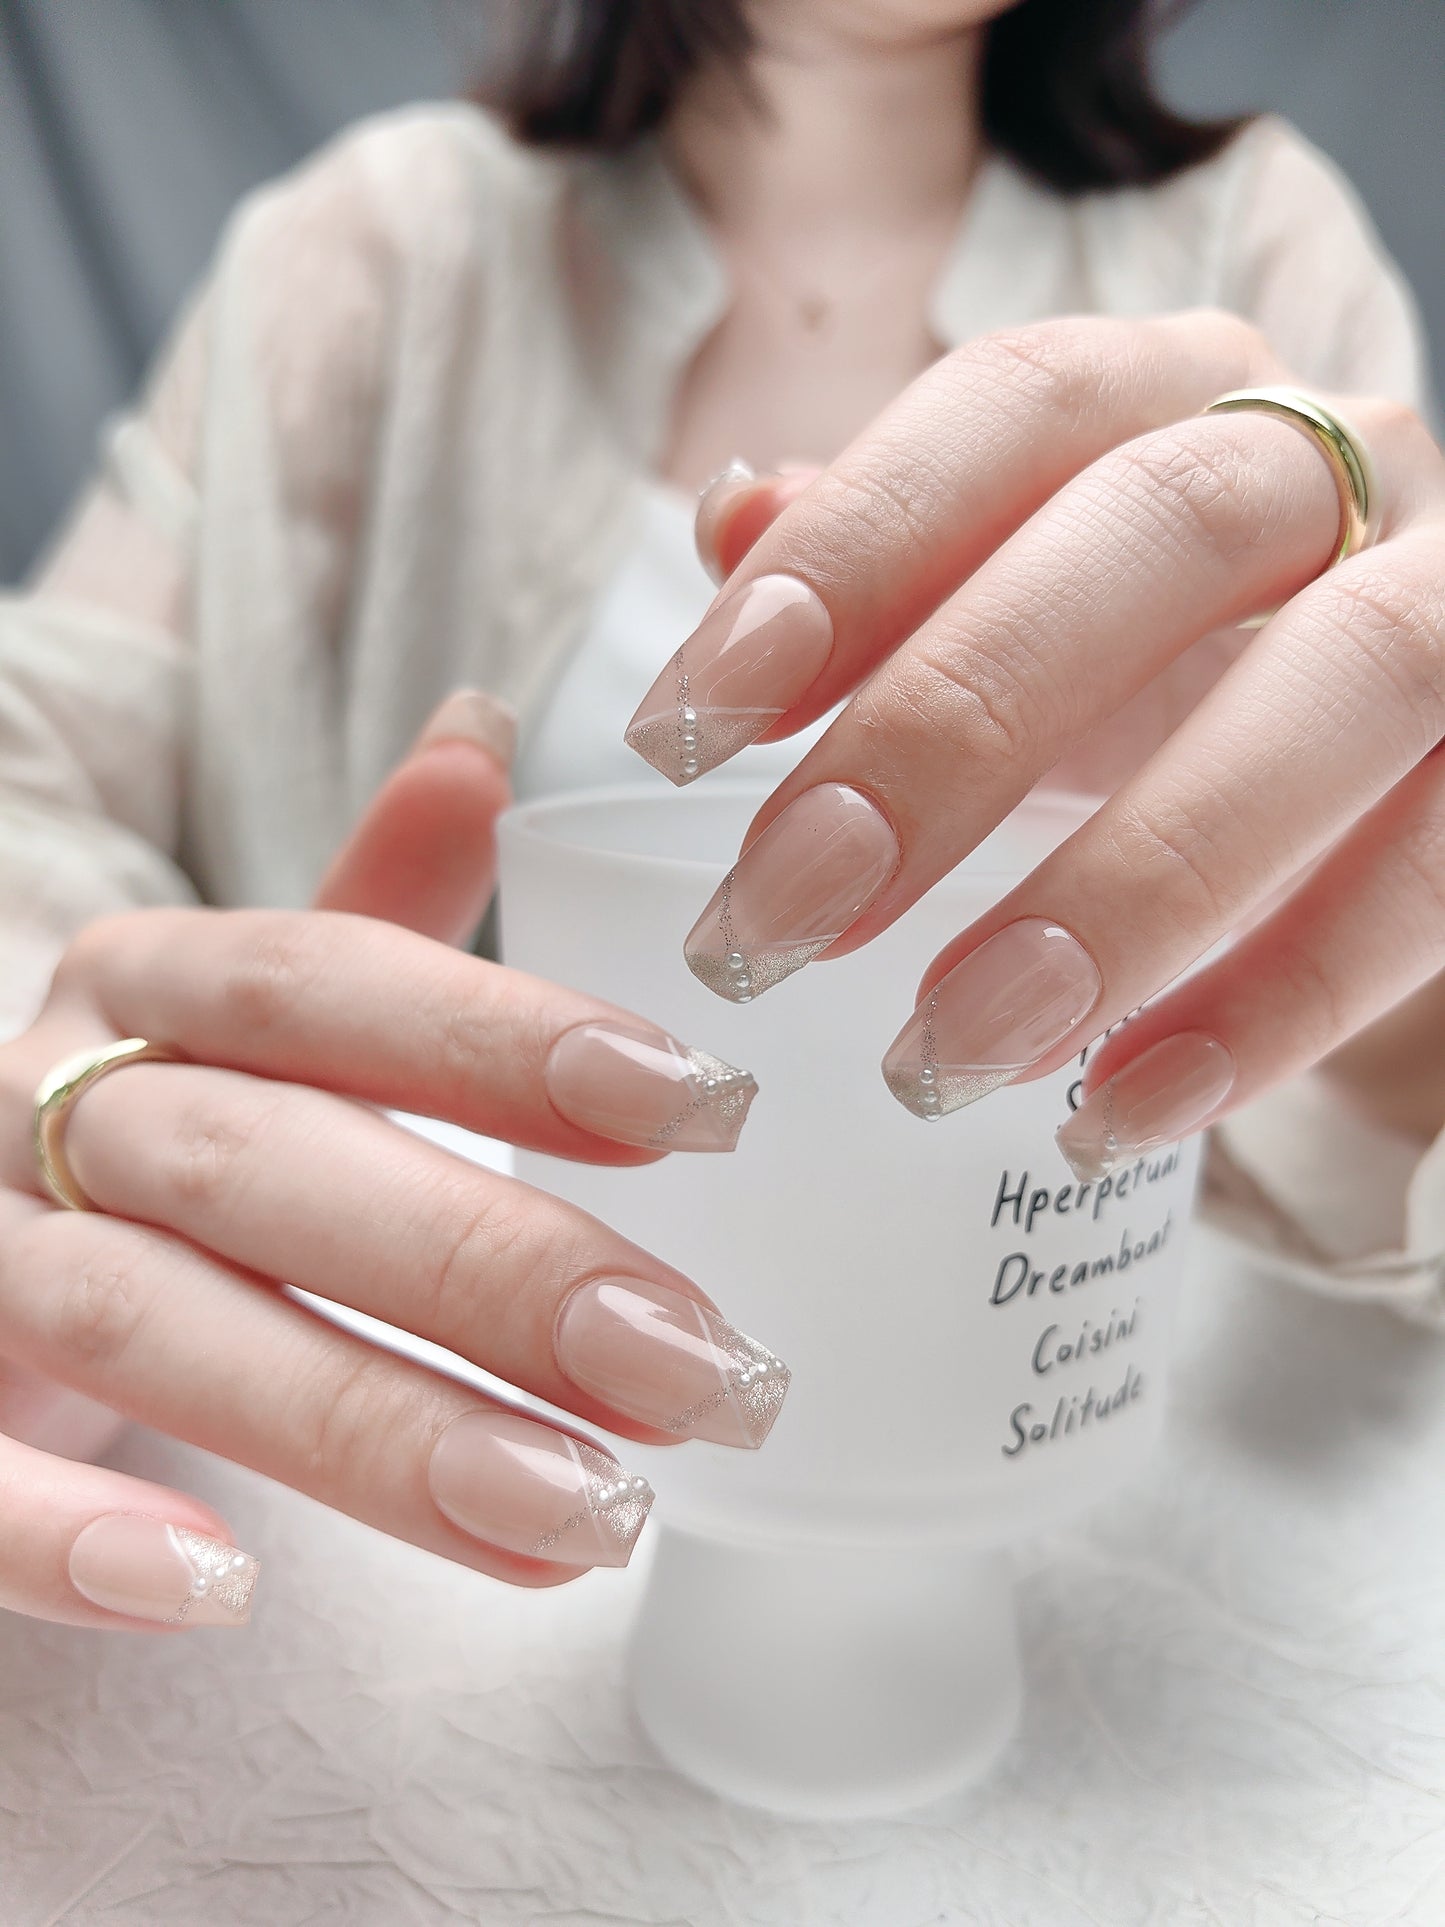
1034,565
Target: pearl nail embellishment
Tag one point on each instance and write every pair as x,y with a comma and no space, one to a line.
221,1577
616,1502
750,658
717,1088
752,1382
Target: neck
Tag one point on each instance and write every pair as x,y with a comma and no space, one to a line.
830,130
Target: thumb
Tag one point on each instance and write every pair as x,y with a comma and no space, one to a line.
737,505
424,853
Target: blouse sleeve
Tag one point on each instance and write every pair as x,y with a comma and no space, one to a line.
97,650
1328,1197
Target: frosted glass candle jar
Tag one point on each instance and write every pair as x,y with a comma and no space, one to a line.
978,1341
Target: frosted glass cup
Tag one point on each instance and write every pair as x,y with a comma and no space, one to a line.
978,1342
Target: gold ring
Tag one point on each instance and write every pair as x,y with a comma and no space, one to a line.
1342,448
56,1098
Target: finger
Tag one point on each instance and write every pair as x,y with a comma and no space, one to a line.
737,505
359,1007
424,854
1365,930
911,509
190,1346
1158,543
291,1183
1342,695
85,1546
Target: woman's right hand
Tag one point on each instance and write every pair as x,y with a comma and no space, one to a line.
263,1156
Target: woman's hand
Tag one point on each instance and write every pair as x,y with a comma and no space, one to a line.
264,1156
1034,565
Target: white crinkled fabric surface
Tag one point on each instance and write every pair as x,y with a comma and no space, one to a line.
1235,1715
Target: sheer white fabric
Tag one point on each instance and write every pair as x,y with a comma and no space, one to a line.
401,441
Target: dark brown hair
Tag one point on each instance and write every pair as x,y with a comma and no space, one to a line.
1068,90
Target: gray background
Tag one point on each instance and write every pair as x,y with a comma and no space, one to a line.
128,127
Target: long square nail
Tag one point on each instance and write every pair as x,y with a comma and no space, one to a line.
658,1356
1165,1094
806,879
637,1085
147,1569
516,1483
748,661
994,1016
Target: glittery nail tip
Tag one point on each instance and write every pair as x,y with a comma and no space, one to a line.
749,1396
223,1580
608,1523
931,1091
720,1097
740,976
682,750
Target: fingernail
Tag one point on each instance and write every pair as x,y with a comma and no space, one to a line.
640,1086
147,1569
1166,1093
662,1358
993,1016
810,875
710,498
472,716
525,1487
750,659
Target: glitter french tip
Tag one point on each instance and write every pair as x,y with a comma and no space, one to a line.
667,1361
522,1486
637,1085
805,881
144,1568
993,1017
745,665
1164,1094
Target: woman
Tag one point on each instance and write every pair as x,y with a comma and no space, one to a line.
426,427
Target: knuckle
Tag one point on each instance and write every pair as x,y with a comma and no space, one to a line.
1201,485
1386,616
259,990
1171,863
344,1415
101,1300
1056,365
491,1260
205,1160
989,704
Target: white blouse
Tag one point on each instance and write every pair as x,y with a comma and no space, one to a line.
400,441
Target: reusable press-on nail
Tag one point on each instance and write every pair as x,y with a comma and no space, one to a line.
147,1569
749,660
1166,1093
808,877
640,1086
474,716
516,1483
663,1358
995,1014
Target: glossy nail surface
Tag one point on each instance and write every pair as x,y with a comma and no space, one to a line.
516,1483
749,660
660,1357
473,716
1166,1093
811,874
640,1086
712,500
993,1016
148,1569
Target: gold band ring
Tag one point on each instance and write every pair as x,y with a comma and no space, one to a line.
1342,448
56,1098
